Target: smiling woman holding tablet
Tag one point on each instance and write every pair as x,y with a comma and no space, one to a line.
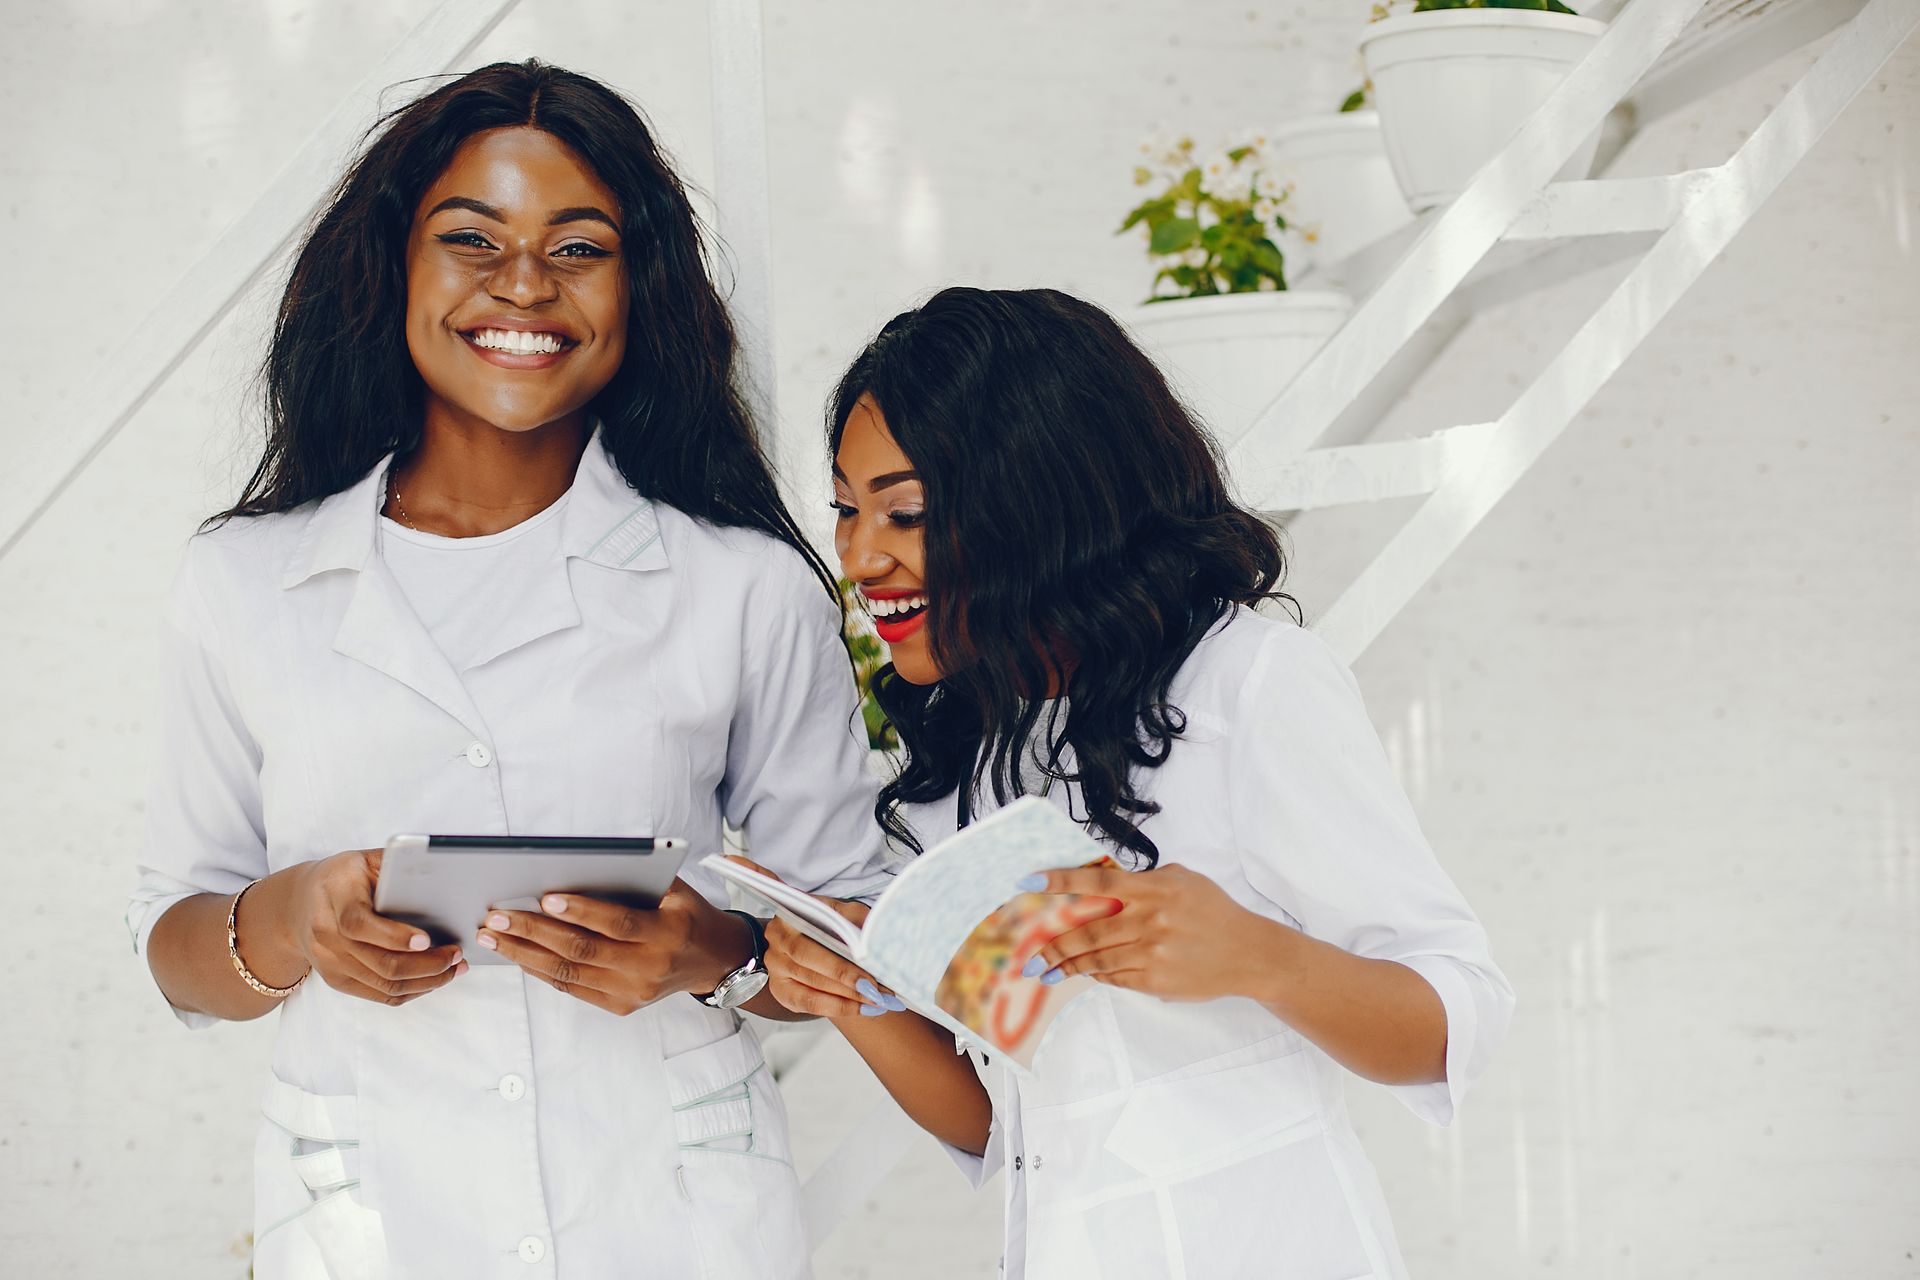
511,565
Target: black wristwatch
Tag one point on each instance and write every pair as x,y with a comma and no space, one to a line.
750,979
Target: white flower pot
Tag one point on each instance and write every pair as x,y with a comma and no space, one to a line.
1453,87
1344,191
1229,355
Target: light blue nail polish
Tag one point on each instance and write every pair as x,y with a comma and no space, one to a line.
868,992
894,1004
1031,884
1051,977
871,1011
1034,967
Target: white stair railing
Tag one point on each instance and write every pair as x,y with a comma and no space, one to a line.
1690,216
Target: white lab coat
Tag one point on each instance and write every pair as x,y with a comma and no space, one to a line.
1164,1140
665,674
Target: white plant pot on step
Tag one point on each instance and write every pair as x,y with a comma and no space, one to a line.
1344,191
1229,355
1454,85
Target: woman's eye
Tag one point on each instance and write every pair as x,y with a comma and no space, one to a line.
907,519
842,511
581,249
465,239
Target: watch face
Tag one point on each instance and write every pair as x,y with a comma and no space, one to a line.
738,988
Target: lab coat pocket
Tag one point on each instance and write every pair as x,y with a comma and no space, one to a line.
1244,1174
736,1171
310,1221
1209,1113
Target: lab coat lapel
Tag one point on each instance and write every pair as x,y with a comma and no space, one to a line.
379,627
382,631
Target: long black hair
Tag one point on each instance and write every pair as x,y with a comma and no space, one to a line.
1077,522
341,390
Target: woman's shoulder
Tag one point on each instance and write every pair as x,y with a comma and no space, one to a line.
1247,654
751,561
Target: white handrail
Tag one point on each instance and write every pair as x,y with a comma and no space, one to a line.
1715,212
1453,245
208,290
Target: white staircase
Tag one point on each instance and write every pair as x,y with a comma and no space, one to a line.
1513,231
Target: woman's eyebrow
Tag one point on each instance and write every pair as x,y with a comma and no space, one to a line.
470,204
889,479
582,213
576,213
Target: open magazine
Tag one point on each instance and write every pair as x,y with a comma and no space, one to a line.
950,935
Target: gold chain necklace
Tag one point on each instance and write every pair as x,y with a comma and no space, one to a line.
393,491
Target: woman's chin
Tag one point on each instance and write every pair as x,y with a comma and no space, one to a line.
912,663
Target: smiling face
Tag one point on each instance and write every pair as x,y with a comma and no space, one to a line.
880,535
516,287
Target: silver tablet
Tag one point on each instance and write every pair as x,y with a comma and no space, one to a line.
447,884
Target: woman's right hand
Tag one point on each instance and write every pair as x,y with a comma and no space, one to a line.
807,978
353,950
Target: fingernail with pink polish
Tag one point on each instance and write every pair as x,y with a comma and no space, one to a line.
554,903
418,942
486,940
497,921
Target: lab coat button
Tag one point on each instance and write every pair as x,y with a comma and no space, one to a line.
478,756
512,1088
1036,1164
1016,1164
532,1249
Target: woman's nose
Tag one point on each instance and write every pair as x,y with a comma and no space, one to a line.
522,280
862,558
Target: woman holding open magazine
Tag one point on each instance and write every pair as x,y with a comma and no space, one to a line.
1044,537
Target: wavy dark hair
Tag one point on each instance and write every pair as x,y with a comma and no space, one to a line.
1077,522
341,390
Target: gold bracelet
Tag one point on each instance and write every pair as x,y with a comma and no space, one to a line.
239,965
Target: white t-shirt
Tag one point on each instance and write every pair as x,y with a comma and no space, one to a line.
462,588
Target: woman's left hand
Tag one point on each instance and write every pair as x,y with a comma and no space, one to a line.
620,958
1177,934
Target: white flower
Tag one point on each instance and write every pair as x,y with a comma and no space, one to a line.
1205,216
1194,257
1234,184
1156,143
1215,168
1266,209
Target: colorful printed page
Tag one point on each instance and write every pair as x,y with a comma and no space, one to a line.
950,936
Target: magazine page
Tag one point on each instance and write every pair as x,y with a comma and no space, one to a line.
802,910
950,934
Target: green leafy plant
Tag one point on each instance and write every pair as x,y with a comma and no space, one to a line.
1210,227
1357,100
868,655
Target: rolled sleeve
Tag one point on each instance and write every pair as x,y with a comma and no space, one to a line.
798,781
979,1169
204,832
1325,832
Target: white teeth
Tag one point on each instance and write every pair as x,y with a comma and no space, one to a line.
887,608
518,341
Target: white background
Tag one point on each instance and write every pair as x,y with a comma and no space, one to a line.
1660,716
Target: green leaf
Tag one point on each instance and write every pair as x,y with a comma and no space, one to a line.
1267,258
1355,100
1174,235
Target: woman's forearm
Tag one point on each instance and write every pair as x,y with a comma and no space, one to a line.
187,950
1378,1019
935,1086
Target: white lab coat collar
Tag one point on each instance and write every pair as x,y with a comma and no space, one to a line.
606,522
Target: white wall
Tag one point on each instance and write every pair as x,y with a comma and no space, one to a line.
1660,716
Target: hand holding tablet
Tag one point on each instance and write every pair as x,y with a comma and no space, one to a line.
448,885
